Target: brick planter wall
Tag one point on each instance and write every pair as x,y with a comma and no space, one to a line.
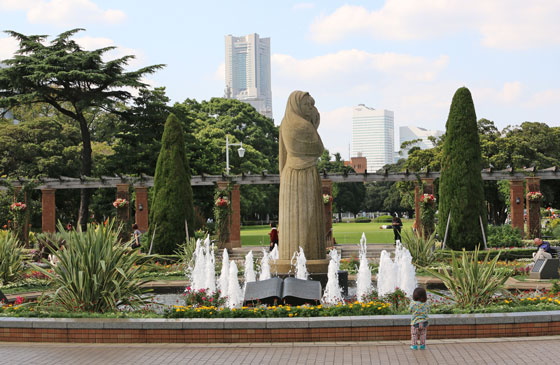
367,328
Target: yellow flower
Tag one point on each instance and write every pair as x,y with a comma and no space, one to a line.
290,315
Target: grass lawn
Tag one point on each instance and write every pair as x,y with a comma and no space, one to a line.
348,233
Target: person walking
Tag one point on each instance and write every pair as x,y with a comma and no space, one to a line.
420,308
273,236
136,235
397,225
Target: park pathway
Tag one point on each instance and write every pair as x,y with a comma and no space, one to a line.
476,351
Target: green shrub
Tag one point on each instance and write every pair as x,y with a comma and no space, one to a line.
421,249
505,254
397,299
95,271
461,189
504,236
362,220
172,202
185,252
383,219
472,283
11,257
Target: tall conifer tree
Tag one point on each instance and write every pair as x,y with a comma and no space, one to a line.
461,191
172,201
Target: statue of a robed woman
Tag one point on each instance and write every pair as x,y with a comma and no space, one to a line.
301,213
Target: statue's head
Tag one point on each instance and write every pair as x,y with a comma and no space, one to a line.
303,104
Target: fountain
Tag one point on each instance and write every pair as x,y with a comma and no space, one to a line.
249,273
198,272
301,268
223,280
210,267
399,273
234,293
333,292
203,275
363,281
265,266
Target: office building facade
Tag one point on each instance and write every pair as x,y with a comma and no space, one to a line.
418,134
248,71
373,136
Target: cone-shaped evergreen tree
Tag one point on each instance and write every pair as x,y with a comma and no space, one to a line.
461,191
172,201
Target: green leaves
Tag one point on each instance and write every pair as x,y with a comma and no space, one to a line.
421,249
11,257
172,202
95,271
472,283
461,190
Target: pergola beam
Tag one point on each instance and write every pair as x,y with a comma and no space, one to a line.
63,182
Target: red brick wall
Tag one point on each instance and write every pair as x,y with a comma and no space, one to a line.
274,335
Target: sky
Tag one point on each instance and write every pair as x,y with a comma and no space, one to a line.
408,56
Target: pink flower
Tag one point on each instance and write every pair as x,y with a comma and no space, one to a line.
19,300
203,298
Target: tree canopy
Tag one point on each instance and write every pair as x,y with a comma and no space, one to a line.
461,192
71,80
172,203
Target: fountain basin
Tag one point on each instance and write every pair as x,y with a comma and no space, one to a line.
246,330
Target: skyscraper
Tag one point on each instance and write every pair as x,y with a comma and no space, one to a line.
373,136
248,71
410,133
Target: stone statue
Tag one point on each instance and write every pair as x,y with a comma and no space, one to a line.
301,214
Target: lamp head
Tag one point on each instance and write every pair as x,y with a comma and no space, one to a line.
241,151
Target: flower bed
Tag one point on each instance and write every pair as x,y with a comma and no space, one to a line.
281,311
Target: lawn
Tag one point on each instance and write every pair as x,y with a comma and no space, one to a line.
347,233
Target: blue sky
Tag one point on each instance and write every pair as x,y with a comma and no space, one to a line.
408,56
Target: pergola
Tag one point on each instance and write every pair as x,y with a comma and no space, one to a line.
48,187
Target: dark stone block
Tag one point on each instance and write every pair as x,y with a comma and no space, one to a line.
265,292
297,291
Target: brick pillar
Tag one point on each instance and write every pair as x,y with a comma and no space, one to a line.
123,213
533,208
142,207
326,187
516,203
48,205
417,221
235,227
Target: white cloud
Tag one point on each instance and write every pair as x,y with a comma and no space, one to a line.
220,74
354,61
505,24
63,12
303,6
335,130
7,47
550,97
509,93
91,43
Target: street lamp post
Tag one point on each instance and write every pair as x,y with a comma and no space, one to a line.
240,151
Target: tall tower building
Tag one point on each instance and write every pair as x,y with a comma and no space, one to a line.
373,136
248,71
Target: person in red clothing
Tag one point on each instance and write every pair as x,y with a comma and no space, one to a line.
273,236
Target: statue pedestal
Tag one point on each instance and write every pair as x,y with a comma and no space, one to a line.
313,266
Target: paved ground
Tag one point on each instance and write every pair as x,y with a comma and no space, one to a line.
479,351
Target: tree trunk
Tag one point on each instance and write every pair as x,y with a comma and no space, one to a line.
83,214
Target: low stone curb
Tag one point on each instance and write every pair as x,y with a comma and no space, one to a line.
277,323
